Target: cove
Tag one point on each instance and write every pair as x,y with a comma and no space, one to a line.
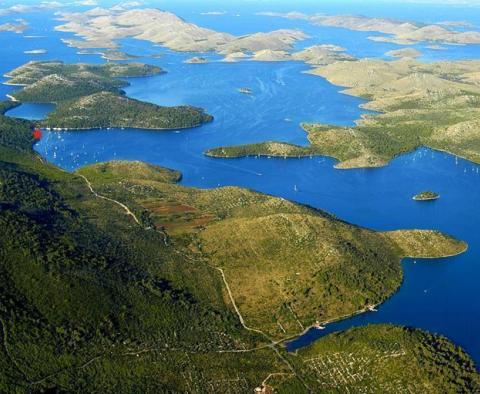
31,111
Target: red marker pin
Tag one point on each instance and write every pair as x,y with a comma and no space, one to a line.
37,134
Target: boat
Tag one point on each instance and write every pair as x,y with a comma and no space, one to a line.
319,326
245,90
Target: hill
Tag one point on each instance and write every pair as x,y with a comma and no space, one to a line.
288,265
52,82
91,96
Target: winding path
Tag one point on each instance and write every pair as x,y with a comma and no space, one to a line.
240,317
272,345
127,210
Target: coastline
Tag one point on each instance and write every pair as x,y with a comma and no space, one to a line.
107,128
371,308
13,84
338,165
465,249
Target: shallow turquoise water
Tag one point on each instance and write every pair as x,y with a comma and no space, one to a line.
439,295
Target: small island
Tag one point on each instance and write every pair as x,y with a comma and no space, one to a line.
196,60
117,55
36,52
426,196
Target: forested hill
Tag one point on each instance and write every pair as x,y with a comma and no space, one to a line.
91,96
105,110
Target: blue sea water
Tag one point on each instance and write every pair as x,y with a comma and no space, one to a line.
31,111
440,295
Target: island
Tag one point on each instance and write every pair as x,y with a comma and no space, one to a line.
395,31
115,277
103,29
111,54
267,55
235,57
117,55
196,60
91,96
416,104
18,28
53,81
315,55
405,52
426,196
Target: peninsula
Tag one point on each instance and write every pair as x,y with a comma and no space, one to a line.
106,109
345,268
91,96
417,104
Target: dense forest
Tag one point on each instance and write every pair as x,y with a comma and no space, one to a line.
84,291
111,110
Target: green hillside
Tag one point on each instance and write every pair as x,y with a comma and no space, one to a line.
113,280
